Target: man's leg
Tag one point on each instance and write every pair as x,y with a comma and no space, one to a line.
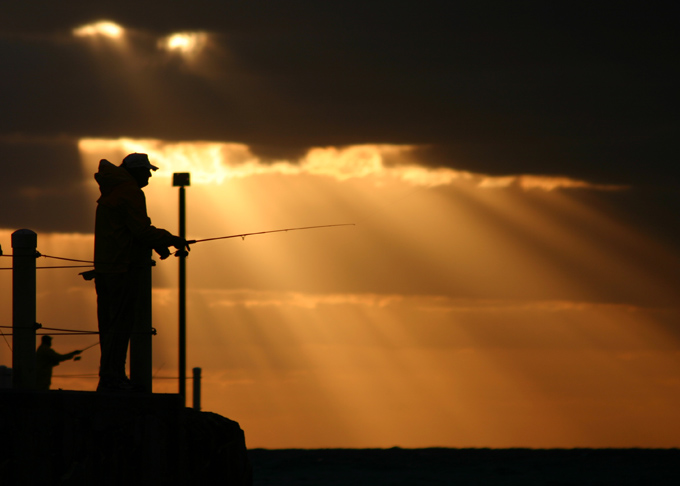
116,299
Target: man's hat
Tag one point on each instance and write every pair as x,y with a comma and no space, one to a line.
138,160
46,339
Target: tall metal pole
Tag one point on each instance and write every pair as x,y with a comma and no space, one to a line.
24,243
182,179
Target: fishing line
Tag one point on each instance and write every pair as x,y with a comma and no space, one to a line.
243,235
90,346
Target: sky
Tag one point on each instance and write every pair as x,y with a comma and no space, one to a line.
509,168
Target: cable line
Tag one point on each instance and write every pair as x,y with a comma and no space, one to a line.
89,375
67,259
76,331
65,266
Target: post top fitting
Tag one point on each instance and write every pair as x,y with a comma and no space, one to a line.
24,238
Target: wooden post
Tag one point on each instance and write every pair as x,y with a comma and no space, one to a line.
197,389
24,244
141,368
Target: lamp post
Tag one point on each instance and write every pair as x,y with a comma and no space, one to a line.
181,180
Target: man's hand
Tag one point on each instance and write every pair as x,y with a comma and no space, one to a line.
162,251
179,243
175,241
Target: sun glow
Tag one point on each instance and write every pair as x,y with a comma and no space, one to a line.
218,162
455,313
186,43
103,29
528,182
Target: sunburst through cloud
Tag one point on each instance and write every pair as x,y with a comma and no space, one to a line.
442,318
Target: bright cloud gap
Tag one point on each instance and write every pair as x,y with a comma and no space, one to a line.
184,42
103,28
215,162
252,298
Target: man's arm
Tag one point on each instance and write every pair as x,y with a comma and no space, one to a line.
139,224
57,358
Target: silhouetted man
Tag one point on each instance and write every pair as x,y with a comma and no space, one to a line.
123,236
47,358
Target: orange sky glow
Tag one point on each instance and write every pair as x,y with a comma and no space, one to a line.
462,310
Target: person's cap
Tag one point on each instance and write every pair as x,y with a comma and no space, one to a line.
47,339
138,160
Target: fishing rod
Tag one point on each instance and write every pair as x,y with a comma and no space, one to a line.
90,346
77,358
243,235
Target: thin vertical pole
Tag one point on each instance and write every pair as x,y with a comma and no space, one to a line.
182,179
24,244
197,389
182,301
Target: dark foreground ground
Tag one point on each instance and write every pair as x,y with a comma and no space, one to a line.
416,467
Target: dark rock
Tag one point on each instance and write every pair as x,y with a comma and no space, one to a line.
73,438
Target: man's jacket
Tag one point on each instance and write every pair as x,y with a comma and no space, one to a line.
123,233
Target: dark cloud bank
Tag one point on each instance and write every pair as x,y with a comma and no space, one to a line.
564,88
